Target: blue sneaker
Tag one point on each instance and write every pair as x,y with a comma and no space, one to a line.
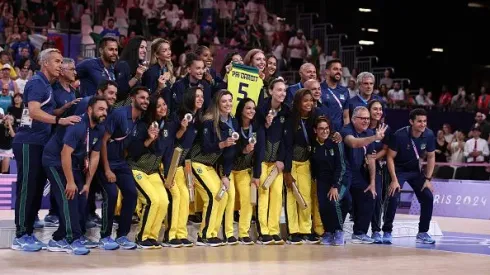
108,243
387,238
58,246
125,243
338,238
51,221
361,239
327,239
37,223
77,248
88,243
38,242
25,243
376,236
425,238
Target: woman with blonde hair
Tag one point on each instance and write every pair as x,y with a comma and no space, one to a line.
160,77
215,147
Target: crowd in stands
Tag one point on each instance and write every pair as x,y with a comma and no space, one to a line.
240,25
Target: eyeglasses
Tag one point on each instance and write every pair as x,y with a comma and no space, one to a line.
322,129
363,118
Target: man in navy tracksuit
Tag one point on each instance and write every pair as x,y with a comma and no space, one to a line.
365,80
335,96
70,159
359,147
28,145
92,71
307,71
408,146
120,126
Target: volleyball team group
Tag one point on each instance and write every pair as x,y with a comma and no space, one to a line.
164,147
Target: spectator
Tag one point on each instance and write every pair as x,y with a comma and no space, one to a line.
5,98
457,148
428,100
471,106
6,82
7,133
448,132
257,35
420,98
459,101
475,151
110,30
297,44
408,98
445,98
351,86
483,124
23,78
270,29
387,80
135,18
483,100
6,59
76,13
207,8
396,94
441,147
23,21
16,108
24,42
41,18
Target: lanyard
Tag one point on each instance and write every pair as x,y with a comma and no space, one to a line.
305,133
229,122
335,97
250,132
87,150
362,99
413,145
110,75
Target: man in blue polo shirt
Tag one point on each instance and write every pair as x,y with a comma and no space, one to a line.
64,94
120,126
28,145
358,139
307,71
92,71
365,80
335,96
70,159
408,147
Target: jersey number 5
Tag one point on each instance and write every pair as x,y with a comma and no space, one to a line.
241,87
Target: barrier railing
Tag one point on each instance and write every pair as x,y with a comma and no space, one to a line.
348,55
305,22
334,42
379,72
404,82
365,63
320,32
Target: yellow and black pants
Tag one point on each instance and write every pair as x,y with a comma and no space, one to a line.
178,210
153,200
208,184
269,202
299,220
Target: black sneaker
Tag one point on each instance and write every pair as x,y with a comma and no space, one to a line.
146,244
236,216
311,238
214,242
155,243
186,243
277,239
245,241
201,241
295,239
232,241
196,218
265,240
175,243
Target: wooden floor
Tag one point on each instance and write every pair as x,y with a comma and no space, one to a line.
287,259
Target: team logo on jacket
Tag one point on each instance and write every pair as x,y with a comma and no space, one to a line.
423,146
282,119
342,97
205,131
199,170
139,177
165,133
230,132
94,141
331,152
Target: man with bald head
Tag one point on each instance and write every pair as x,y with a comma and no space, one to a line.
307,71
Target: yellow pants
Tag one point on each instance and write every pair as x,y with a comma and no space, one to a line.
242,181
315,211
227,217
299,220
178,211
197,205
117,210
208,183
154,203
269,202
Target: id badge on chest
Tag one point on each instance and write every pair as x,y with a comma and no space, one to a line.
25,119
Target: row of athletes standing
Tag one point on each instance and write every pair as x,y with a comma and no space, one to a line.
284,140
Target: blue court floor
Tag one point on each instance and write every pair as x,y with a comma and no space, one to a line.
452,242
